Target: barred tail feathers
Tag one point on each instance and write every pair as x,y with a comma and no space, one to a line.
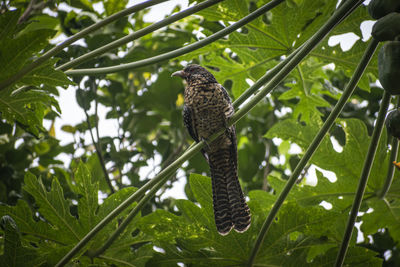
230,208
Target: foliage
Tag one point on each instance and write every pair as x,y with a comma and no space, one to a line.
48,206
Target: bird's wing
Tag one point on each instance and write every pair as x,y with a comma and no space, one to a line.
188,121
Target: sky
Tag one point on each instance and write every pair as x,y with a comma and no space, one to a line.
72,114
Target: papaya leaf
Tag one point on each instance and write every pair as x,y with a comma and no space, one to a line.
54,207
256,47
46,74
8,23
14,253
20,50
27,108
191,238
32,229
88,203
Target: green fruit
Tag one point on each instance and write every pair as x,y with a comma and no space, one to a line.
380,8
389,67
393,123
387,28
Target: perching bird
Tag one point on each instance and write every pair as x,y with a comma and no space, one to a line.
206,110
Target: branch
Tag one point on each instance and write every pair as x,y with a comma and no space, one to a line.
138,34
180,51
369,159
27,12
99,154
129,218
97,144
40,60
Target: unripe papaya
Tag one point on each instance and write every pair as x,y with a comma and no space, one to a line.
387,28
389,67
393,123
379,8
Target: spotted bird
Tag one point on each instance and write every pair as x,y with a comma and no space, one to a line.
206,110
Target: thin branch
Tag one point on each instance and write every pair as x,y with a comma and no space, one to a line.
369,159
271,73
392,158
97,144
27,12
129,218
180,51
55,50
142,32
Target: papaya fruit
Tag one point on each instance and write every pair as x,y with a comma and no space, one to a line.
389,67
387,28
393,123
379,8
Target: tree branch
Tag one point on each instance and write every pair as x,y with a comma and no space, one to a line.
369,159
180,51
46,56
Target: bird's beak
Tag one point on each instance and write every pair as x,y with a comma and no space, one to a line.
179,73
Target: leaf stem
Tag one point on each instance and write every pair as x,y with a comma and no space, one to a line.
266,77
369,159
142,32
129,218
340,13
99,153
392,158
55,50
134,197
180,51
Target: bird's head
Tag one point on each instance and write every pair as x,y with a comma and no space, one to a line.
195,74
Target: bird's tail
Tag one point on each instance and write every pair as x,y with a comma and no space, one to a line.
230,208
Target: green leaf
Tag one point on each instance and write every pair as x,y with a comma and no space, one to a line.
25,107
20,50
297,232
22,214
47,75
113,6
14,253
54,207
257,46
8,23
88,203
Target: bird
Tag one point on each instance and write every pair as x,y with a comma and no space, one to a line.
207,109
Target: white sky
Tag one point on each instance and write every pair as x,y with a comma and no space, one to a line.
72,114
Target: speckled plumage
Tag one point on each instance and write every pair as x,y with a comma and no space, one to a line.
206,110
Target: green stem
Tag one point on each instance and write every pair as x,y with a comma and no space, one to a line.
40,60
364,178
99,153
180,51
134,197
392,158
265,78
129,218
138,34
320,135
303,52
391,168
